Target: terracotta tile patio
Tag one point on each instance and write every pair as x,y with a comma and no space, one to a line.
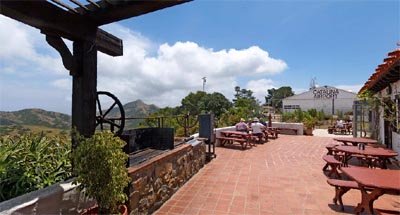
283,176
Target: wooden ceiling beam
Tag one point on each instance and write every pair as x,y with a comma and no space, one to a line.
115,10
58,2
52,20
80,5
47,17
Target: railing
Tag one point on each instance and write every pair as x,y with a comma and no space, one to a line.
188,123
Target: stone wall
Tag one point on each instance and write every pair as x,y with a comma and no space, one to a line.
156,180
153,183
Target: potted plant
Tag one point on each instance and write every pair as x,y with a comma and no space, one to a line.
309,124
100,171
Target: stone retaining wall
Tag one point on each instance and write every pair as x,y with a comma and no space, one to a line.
155,181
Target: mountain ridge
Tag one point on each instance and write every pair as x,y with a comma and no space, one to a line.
51,119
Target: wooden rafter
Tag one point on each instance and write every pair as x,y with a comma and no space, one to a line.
386,73
108,11
57,20
80,23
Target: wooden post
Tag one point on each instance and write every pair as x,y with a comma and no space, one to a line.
269,120
84,90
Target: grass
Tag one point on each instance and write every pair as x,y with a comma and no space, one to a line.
14,130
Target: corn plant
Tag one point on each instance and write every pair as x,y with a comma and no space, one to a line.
32,161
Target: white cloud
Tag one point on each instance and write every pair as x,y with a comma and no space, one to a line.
165,77
25,50
65,84
160,74
260,88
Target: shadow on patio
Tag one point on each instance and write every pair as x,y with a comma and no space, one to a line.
283,176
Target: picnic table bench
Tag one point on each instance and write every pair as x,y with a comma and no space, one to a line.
376,181
273,131
333,163
288,129
341,187
230,137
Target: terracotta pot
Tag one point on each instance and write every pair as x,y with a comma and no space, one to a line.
95,210
309,132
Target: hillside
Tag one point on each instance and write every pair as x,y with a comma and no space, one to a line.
135,109
37,117
36,120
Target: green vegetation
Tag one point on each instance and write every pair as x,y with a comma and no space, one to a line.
385,107
32,161
275,96
15,130
99,166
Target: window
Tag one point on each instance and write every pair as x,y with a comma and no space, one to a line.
291,107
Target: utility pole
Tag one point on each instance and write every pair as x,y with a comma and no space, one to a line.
204,82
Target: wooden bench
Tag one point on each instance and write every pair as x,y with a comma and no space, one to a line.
274,132
288,129
332,163
386,212
341,187
230,140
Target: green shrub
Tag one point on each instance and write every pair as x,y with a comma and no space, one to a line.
31,162
312,112
99,166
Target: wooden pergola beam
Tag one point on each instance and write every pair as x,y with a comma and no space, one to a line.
80,25
116,10
52,20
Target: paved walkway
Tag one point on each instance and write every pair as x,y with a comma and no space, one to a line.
324,133
283,176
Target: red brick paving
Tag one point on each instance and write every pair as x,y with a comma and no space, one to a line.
283,176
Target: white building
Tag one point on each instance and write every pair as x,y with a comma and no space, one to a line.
326,98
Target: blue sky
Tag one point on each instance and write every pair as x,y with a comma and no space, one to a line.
254,44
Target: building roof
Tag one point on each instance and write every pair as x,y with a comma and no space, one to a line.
386,73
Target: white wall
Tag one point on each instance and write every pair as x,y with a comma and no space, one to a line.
321,99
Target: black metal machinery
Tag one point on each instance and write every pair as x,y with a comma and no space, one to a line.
206,130
109,118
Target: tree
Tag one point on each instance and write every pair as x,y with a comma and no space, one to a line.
275,96
215,103
245,104
192,103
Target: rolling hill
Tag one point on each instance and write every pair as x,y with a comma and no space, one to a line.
36,120
36,117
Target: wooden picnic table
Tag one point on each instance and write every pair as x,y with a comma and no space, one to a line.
274,131
229,137
370,154
379,181
355,140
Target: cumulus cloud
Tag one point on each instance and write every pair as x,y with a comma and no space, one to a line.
164,74
260,88
160,74
25,50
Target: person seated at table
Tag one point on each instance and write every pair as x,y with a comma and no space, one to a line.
257,128
241,126
339,123
249,121
263,122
